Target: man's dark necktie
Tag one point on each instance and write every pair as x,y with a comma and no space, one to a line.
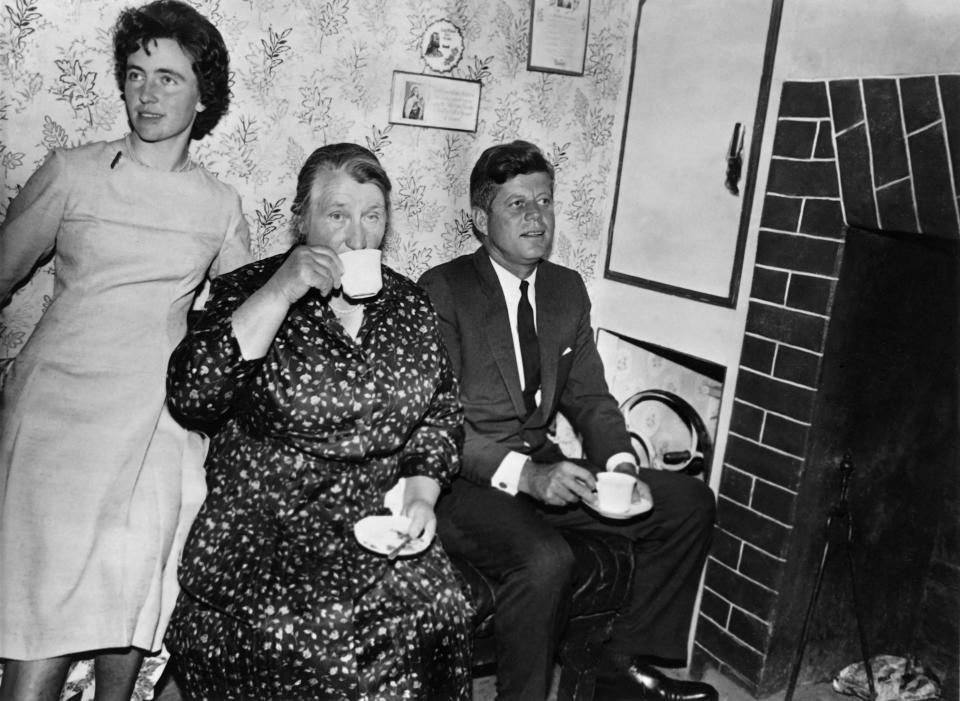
529,349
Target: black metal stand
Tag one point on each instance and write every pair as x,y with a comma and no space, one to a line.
839,531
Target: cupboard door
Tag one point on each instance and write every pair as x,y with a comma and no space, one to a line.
696,74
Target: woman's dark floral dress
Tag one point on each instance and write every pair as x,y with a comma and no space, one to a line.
279,601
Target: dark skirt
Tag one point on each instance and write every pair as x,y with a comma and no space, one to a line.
406,637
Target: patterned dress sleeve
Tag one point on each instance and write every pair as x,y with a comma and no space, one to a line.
30,230
433,448
206,370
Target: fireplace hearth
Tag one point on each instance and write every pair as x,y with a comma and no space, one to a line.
850,348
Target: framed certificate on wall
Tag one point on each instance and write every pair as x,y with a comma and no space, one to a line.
422,100
558,36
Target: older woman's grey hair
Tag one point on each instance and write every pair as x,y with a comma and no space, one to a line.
351,159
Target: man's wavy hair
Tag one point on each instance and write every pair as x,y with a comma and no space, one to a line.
352,160
500,163
199,39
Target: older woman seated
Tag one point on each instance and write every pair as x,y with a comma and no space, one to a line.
320,403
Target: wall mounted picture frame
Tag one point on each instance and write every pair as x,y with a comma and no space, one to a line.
558,36
421,100
441,46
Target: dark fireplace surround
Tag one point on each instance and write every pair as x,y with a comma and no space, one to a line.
876,153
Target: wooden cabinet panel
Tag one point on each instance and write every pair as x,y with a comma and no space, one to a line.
696,74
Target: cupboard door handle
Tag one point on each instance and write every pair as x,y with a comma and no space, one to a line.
735,160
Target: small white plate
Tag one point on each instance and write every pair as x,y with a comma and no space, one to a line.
382,534
636,508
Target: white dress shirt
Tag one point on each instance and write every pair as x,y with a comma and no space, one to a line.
507,476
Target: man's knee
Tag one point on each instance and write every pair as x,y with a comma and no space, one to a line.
548,563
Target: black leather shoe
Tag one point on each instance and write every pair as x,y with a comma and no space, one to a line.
637,681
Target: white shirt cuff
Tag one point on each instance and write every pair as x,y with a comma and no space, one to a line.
507,476
618,458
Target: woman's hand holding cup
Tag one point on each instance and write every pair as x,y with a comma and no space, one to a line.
306,268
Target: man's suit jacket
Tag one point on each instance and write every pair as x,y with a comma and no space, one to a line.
476,329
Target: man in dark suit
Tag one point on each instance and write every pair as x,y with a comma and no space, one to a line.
518,332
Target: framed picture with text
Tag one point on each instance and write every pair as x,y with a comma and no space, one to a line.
421,100
558,36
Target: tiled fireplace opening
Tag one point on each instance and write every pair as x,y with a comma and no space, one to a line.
879,153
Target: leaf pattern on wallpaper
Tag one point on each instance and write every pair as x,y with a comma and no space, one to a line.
458,237
452,175
326,18
479,69
211,10
581,258
10,159
353,74
54,135
581,209
29,86
263,60
270,220
584,261
557,156
600,64
411,202
545,104
16,329
507,127
314,109
561,248
295,157
470,16
378,139
98,114
241,149
409,195
417,23
274,47
407,256
22,18
76,86
596,125
514,28
373,14
11,338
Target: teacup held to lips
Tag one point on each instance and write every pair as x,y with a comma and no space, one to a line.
361,273
615,491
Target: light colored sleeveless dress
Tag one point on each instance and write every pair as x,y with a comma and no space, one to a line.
98,483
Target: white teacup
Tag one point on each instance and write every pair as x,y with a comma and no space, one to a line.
615,491
361,273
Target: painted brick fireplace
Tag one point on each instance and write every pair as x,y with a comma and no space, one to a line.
878,153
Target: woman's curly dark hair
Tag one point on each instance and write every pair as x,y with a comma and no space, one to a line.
199,39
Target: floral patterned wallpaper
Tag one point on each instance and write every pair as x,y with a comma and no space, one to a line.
309,72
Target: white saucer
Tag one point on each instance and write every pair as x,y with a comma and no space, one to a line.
636,508
382,534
